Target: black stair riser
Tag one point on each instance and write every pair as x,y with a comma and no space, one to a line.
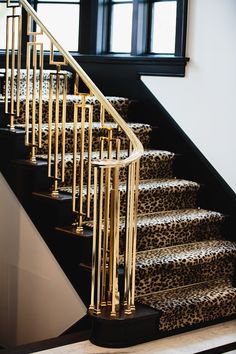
30,177
53,211
126,330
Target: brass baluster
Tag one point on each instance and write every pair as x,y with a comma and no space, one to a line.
94,247
75,142
7,64
130,240
33,132
27,131
50,103
63,128
100,232
106,217
115,234
33,46
97,309
90,140
14,35
59,77
78,209
40,111
129,229
81,170
55,192
136,184
84,108
105,243
18,66
12,127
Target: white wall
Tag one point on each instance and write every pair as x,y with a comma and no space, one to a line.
37,301
204,102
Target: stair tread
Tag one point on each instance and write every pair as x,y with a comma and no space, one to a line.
167,300
46,72
173,227
174,184
188,254
161,155
142,130
164,218
90,99
192,304
96,125
121,105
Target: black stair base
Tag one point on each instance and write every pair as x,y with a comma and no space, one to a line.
81,244
29,177
125,330
12,144
53,210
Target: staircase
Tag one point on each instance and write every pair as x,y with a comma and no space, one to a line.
177,265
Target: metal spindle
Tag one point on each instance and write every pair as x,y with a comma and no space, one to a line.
136,169
63,127
75,142
94,248
18,66
90,141
99,250
40,112
12,127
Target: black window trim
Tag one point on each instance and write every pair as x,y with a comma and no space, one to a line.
92,36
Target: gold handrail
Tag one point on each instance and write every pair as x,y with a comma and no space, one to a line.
137,146
104,198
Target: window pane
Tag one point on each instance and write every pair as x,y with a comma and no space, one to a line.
121,28
163,27
4,11
62,20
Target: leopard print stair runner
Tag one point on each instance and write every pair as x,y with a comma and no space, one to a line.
184,267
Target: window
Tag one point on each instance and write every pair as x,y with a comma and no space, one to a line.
163,27
142,31
121,26
61,17
145,27
4,11
62,20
